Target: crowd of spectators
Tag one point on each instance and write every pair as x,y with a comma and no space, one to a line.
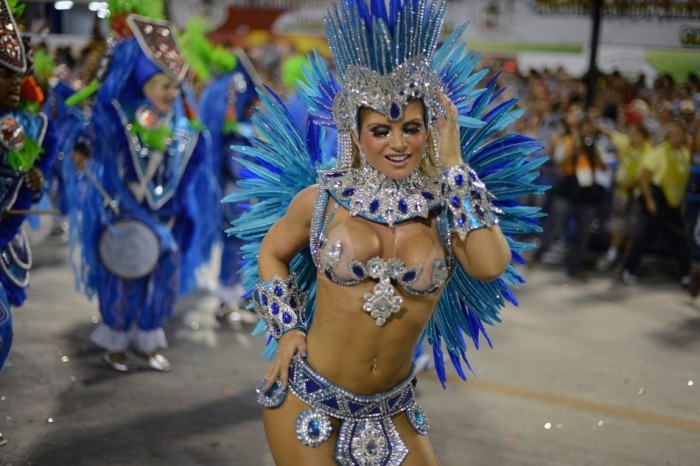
597,202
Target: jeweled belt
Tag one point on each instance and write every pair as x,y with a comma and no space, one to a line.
367,434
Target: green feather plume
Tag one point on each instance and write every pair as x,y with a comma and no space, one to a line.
204,58
24,158
16,8
44,66
84,93
156,138
150,8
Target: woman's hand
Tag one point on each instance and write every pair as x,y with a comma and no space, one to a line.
449,150
291,343
35,180
652,208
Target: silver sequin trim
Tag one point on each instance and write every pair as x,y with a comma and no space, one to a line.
368,193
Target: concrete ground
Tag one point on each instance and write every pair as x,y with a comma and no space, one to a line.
582,373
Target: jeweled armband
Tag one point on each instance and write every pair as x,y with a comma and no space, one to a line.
281,305
467,200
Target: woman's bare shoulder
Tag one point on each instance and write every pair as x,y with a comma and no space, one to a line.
303,202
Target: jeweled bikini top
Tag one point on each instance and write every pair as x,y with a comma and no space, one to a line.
333,256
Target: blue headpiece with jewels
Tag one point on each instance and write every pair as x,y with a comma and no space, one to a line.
383,56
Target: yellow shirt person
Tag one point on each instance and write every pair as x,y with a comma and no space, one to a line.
669,167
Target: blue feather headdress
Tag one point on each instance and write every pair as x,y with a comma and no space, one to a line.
385,56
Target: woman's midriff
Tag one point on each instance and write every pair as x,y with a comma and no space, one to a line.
349,349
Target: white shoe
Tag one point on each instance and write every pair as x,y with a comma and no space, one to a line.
155,361
603,264
628,278
158,362
235,316
685,281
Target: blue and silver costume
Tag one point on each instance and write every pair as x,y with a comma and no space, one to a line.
226,106
163,188
386,55
21,131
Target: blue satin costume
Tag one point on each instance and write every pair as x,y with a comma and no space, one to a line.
16,195
232,94
173,202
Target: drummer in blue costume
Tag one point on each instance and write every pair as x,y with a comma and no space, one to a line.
144,213
27,142
409,235
226,105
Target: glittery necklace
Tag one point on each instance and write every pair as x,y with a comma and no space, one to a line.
370,194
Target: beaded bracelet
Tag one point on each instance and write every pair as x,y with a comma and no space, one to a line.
281,305
467,200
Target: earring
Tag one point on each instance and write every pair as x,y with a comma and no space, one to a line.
436,152
344,150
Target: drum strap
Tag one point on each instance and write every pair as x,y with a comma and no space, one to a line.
139,189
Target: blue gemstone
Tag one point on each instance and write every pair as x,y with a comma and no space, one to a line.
357,270
371,447
279,291
276,330
314,428
263,299
408,276
374,206
348,192
456,201
312,386
476,194
331,403
394,111
459,180
275,308
354,407
420,420
480,211
462,220
392,401
427,195
334,175
286,318
403,206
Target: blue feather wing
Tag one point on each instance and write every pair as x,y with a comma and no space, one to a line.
280,162
508,166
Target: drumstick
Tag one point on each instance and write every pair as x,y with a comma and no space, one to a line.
109,200
250,69
32,212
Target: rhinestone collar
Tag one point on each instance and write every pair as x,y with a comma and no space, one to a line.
368,193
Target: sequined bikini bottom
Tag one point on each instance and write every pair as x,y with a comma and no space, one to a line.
367,434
